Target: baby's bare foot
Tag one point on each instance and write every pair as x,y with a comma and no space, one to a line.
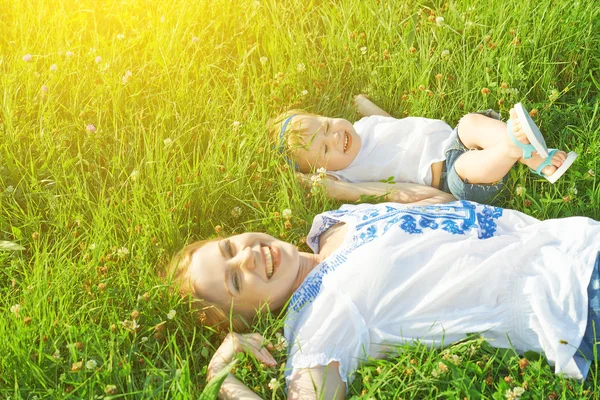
558,158
518,134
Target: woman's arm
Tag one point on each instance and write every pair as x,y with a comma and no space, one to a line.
321,382
406,193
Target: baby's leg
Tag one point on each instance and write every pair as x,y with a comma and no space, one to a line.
498,152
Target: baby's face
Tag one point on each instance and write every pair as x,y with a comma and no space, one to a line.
331,143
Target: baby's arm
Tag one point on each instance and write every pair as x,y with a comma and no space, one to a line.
405,193
366,107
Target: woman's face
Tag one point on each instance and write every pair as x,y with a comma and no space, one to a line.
247,270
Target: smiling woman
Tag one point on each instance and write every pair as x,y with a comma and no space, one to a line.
243,274
389,274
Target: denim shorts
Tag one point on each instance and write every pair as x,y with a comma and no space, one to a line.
451,183
592,330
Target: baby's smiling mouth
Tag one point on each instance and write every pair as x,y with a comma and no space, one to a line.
346,141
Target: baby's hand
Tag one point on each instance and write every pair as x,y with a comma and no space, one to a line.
304,180
360,103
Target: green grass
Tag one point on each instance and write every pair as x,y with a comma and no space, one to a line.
168,163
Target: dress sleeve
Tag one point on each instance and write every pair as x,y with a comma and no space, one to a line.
328,329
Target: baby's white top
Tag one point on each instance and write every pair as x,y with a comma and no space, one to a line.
435,274
402,148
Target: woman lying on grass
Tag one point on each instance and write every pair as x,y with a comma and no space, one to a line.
388,274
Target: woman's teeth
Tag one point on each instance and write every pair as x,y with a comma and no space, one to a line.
269,261
345,142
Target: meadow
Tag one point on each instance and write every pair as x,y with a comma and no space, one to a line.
129,128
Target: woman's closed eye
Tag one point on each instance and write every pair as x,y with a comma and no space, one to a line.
235,279
229,247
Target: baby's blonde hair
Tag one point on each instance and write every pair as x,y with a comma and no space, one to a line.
210,314
292,137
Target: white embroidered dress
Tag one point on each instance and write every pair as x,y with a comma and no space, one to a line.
436,273
403,148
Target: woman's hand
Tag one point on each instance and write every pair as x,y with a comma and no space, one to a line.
234,343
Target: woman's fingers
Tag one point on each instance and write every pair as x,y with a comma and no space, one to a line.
253,343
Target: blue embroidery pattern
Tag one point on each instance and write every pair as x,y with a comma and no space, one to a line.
455,218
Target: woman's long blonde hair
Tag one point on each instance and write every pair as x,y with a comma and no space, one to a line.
210,314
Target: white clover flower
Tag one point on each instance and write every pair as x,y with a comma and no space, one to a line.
27,57
439,21
363,50
15,309
56,355
134,174
591,172
128,74
171,314
316,179
122,252
168,142
9,189
301,67
281,343
520,190
274,384
236,124
110,389
445,54
304,92
263,60
515,393
54,67
554,95
69,54
93,246
442,367
195,39
287,213
121,36
130,325
144,339
321,171
236,212
98,59
91,364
